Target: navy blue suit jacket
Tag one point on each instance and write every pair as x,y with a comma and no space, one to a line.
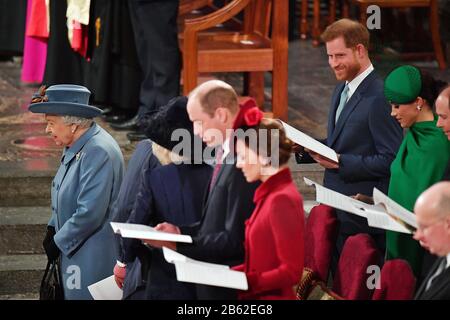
367,139
141,160
171,193
440,287
219,236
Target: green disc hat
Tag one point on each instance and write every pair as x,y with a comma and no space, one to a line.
403,85
66,100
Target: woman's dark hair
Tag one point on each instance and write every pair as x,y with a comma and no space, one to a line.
430,88
266,132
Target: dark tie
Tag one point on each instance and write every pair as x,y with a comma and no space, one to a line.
219,154
442,266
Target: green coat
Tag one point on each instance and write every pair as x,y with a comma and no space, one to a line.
420,162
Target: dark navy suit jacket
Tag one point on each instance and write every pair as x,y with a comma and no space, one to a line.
172,193
367,139
142,160
440,287
219,236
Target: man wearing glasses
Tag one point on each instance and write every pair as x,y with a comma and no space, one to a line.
432,211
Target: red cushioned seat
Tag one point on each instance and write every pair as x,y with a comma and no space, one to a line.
397,281
320,239
350,281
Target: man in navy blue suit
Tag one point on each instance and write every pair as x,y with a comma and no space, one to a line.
360,128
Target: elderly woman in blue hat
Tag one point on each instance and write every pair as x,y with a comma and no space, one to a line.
83,190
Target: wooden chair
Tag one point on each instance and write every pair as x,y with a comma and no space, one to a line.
316,27
187,6
432,5
190,9
251,50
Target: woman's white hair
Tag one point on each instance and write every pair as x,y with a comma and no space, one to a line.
82,122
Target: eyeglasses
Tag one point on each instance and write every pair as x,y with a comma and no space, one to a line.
422,228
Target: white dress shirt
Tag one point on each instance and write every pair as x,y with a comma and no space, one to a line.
354,84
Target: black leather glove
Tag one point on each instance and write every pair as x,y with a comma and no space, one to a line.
50,247
49,235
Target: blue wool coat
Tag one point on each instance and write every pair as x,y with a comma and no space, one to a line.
83,190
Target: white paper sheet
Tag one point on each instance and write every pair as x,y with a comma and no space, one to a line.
376,215
394,209
382,220
106,289
190,270
308,142
172,256
336,200
140,231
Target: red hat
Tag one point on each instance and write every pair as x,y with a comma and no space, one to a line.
249,114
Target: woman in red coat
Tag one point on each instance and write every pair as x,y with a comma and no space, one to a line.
274,234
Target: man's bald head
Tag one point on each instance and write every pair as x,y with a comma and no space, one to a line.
446,95
212,107
214,94
435,199
443,111
432,211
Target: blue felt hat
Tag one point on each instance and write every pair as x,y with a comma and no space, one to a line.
66,100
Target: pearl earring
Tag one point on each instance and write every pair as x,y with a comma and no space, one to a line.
419,107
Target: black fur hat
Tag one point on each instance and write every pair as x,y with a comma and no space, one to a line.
160,126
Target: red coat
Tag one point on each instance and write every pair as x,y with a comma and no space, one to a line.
274,240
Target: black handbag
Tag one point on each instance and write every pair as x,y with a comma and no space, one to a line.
51,284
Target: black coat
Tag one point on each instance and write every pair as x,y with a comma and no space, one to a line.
114,74
12,26
219,236
63,65
440,287
171,193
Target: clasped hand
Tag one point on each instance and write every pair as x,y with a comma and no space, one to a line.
165,227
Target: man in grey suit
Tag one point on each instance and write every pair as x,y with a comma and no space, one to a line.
432,211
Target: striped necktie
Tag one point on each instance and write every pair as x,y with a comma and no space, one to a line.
219,154
442,266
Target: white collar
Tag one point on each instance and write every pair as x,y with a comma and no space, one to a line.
354,84
448,261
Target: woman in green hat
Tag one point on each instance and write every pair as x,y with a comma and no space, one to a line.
423,155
